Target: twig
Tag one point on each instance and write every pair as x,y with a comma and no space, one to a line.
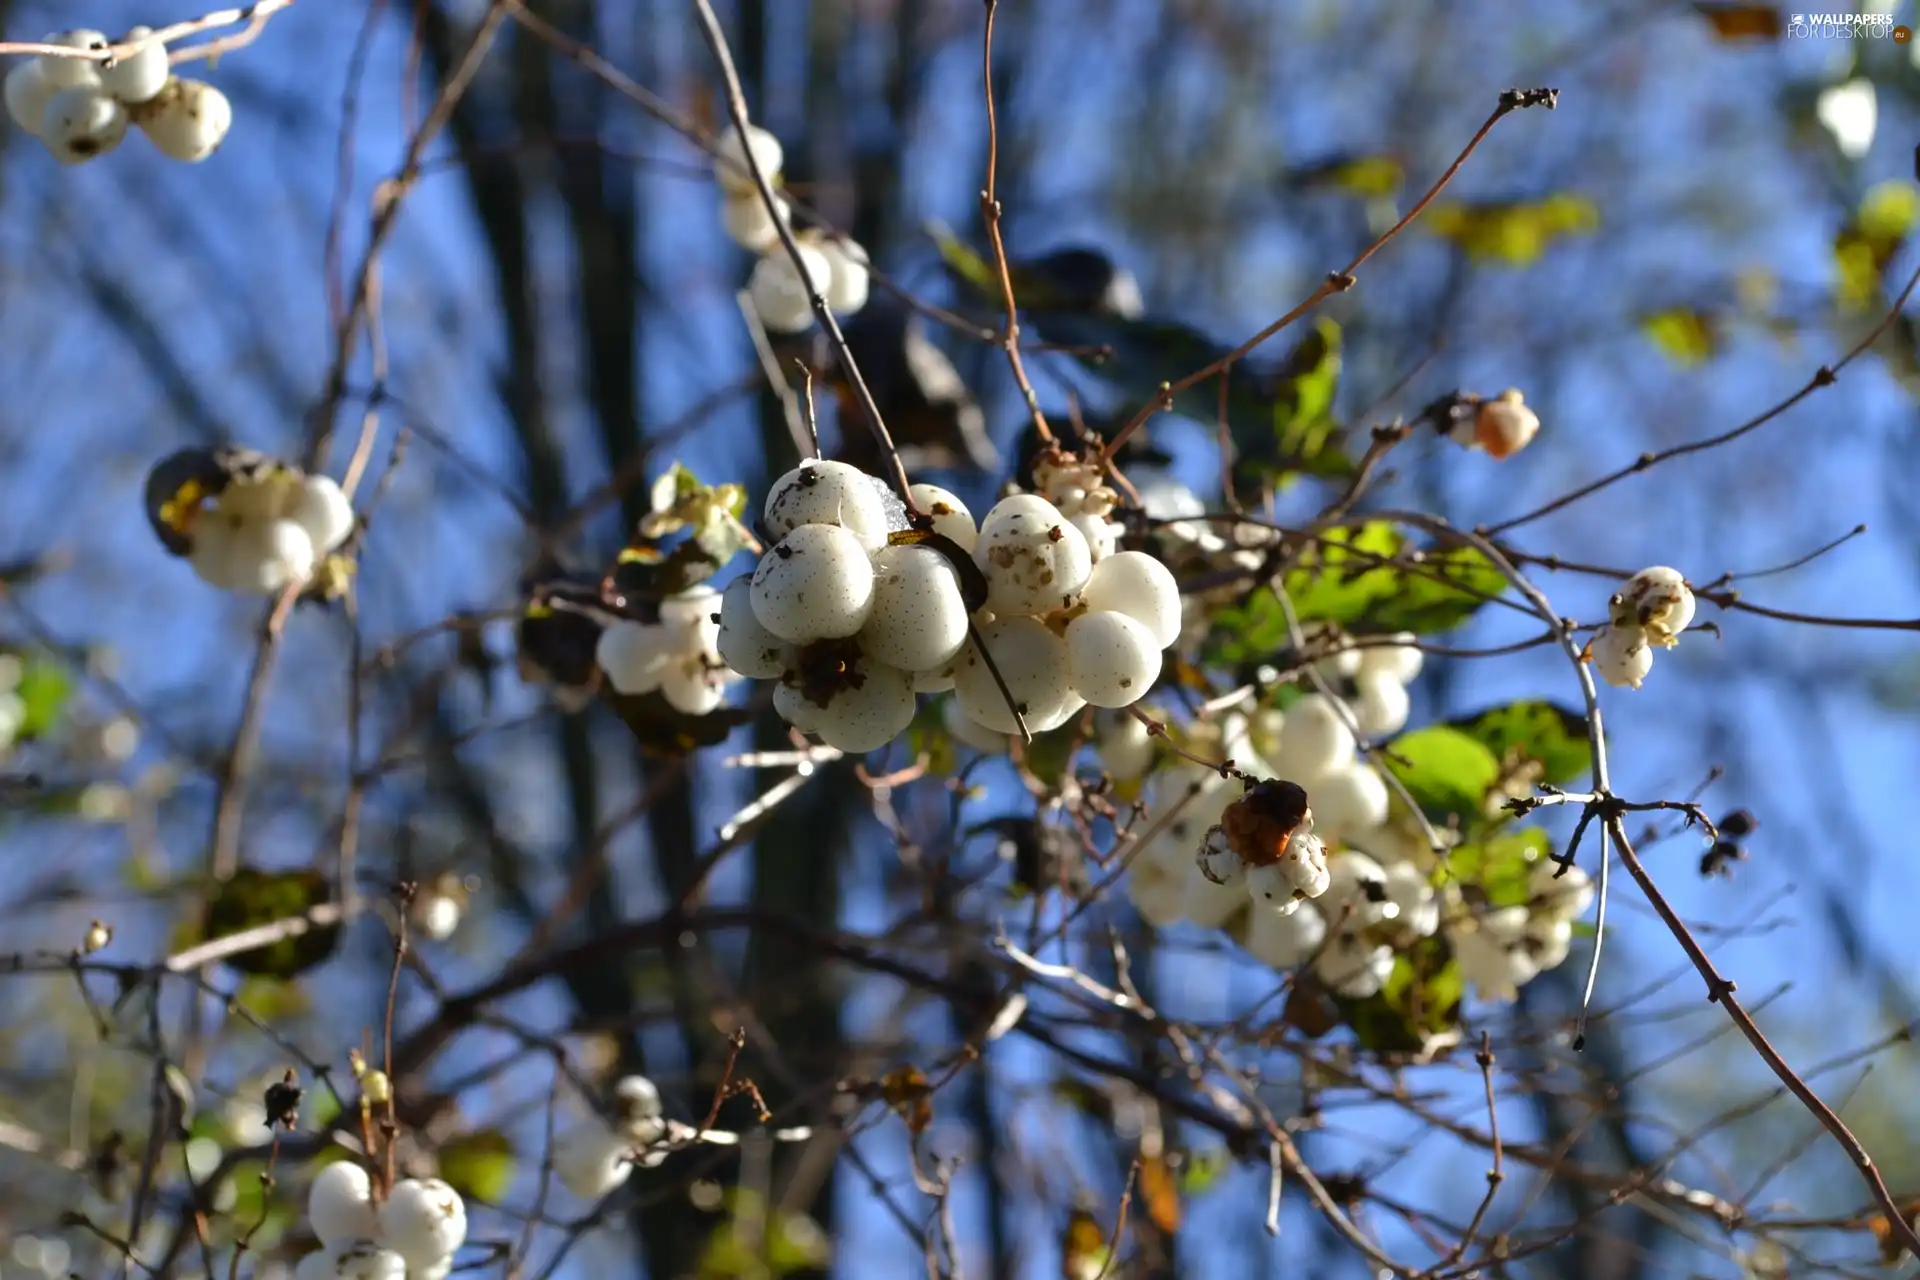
990,214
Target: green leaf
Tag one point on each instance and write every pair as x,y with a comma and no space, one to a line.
1202,1170
1368,579
252,898
1304,428
1502,866
1685,336
479,1166
1870,241
1515,233
1417,1011
1447,771
44,690
1553,736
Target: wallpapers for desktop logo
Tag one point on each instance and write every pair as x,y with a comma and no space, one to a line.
1846,26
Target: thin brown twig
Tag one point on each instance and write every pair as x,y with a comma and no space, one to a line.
1009,337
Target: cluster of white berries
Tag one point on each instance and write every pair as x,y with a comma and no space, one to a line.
1504,948
246,522
836,267
1194,547
853,626
1651,610
410,1234
1081,492
81,107
677,655
593,1157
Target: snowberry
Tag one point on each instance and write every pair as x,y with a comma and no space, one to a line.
1207,904
730,168
951,518
1505,425
1491,954
66,73
1136,584
1034,560
1400,660
919,618
748,224
1658,602
938,680
591,1160
1414,909
369,1260
423,1220
1283,941
791,704
1158,892
340,1204
1352,799
1124,746
1102,535
28,92
637,1099
815,584
260,557
1382,706
742,642
1033,662
1313,740
187,120
867,716
315,1266
633,655
437,915
781,298
1354,967
1111,658
321,507
1298,874
1560,890
848,281
1218,862
695,686
1356,896
969,732
140,75
1549,940
1622,656
82,123
819,492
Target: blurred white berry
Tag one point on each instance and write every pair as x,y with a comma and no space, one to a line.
730,167
1414,909
781,298
28,92
321,507
1564,891
633,655
437,915
969,732
66,73
369,1260
742,643
424,1220
816,583
951,518
1350,800
259,557
1382,706
695,683
1401,659
848,280
1658,602
1622,656
1301,872
1549,940
1033,559
1492,958
340,1204
1356,895
1354,967
1102,534
1313,741
824,492
591,1160
1112,659
82,123
1124,745
1207,904
1158,892
1136,584
745,219
187,121
140,75
317,1265
919,617
1283,941
867,716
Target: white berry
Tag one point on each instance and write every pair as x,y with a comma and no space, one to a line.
816,583
1656,600
865,718
1505,425
140,75
742,643
633,655
66,73
1400,660
315,1266
1102,535
1217,861
1622,656
1034,560
1491,953
1313,741
817,492
1350,800
1158,893
188,120
1299,873
747,222
340,1204
1033,662
1207,904
730,169
1356,895
423,1220
919,618
1564,891
1125,747
321,508
1136,584
369,1260
82,123
791,704
1414,908
28,92
1285,940
951,518
591,1160
1354,967
848,280
781,298
1382,706
1112,659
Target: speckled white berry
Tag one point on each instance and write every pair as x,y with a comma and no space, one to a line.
816,583
919,618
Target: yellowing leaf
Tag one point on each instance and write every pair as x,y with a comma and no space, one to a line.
1870,240
1742,21
1084,1252
1512,233
1684,336
1160,1193
479,1165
